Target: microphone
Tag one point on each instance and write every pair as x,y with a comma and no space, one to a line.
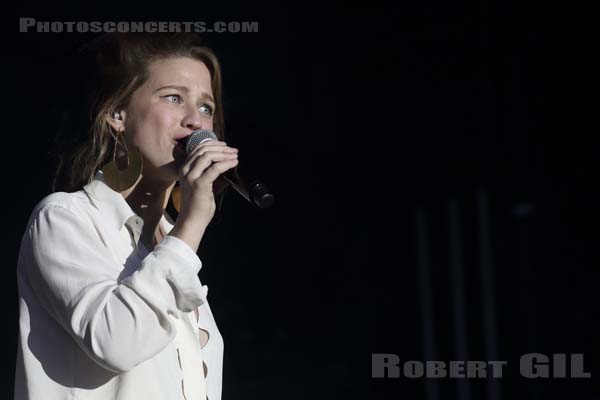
257,193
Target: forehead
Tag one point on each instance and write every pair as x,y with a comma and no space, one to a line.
179,71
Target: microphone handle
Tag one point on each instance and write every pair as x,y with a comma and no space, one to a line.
258,194
236,188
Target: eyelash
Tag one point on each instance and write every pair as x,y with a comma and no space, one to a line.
210,112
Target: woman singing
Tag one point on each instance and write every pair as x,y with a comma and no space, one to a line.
110,303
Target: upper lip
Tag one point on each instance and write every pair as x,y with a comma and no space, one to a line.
182,138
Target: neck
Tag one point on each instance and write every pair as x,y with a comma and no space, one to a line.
149,199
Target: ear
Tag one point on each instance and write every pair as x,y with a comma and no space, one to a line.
117,120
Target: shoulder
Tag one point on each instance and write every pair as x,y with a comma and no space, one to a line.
55,221
75,201
76,204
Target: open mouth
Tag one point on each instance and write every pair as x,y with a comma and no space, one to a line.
180,145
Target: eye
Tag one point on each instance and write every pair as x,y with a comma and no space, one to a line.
174,98
207,109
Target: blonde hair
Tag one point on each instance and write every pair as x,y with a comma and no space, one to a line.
122,61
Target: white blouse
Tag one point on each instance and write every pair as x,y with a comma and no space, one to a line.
100,317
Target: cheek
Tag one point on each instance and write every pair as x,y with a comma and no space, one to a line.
153,123
208,124
160,116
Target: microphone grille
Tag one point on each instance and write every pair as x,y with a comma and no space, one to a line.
197,137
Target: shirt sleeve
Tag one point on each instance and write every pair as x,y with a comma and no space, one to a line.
119,324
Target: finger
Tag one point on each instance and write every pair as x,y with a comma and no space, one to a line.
201,150
204,161
218,168
208,144
198,151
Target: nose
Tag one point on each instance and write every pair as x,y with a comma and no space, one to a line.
192,119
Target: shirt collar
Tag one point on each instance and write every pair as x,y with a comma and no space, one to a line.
113,205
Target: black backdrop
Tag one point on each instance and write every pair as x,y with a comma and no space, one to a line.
364,120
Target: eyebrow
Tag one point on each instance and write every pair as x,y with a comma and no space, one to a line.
184,89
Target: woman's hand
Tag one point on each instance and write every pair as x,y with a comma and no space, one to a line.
197,174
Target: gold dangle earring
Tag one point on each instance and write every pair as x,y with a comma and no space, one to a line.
118,179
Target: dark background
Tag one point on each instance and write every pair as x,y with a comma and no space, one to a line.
362,119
